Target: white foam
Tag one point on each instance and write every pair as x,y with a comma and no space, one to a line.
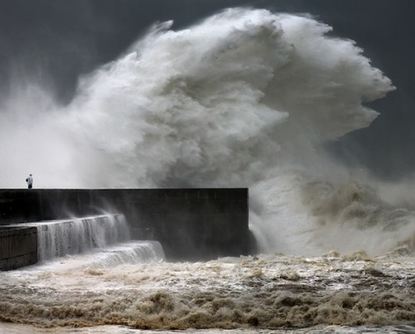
77,235
243,98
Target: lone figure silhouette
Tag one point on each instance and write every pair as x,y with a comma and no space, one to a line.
29,181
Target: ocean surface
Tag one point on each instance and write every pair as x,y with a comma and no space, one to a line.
92,293
245,97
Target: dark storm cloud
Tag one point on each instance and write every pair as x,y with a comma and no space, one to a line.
56,41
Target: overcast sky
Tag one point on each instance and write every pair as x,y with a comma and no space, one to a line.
55,41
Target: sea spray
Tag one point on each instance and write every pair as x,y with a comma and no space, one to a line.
227,101
264,292
57,238
244,98
214,104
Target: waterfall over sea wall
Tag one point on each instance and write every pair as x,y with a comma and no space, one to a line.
133,252
78,235
126,253
91,242
244,97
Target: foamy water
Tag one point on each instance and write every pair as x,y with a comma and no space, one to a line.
403,329
77,235
264,292
243,98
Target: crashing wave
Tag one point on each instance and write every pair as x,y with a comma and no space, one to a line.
244,98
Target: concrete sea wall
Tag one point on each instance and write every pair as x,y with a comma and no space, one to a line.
190,223
18,247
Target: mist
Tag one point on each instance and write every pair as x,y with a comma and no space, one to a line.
242,98
255,82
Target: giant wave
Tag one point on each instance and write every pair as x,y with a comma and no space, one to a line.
243,98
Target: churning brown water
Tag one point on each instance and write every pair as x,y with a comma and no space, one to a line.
268,293
244,97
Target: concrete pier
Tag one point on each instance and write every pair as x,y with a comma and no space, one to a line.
191,224
18,247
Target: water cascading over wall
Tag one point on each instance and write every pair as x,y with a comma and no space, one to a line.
102,241
79,235
244,97
190,224
29,243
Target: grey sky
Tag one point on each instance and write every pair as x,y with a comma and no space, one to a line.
56,41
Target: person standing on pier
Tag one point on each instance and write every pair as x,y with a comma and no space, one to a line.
29,181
